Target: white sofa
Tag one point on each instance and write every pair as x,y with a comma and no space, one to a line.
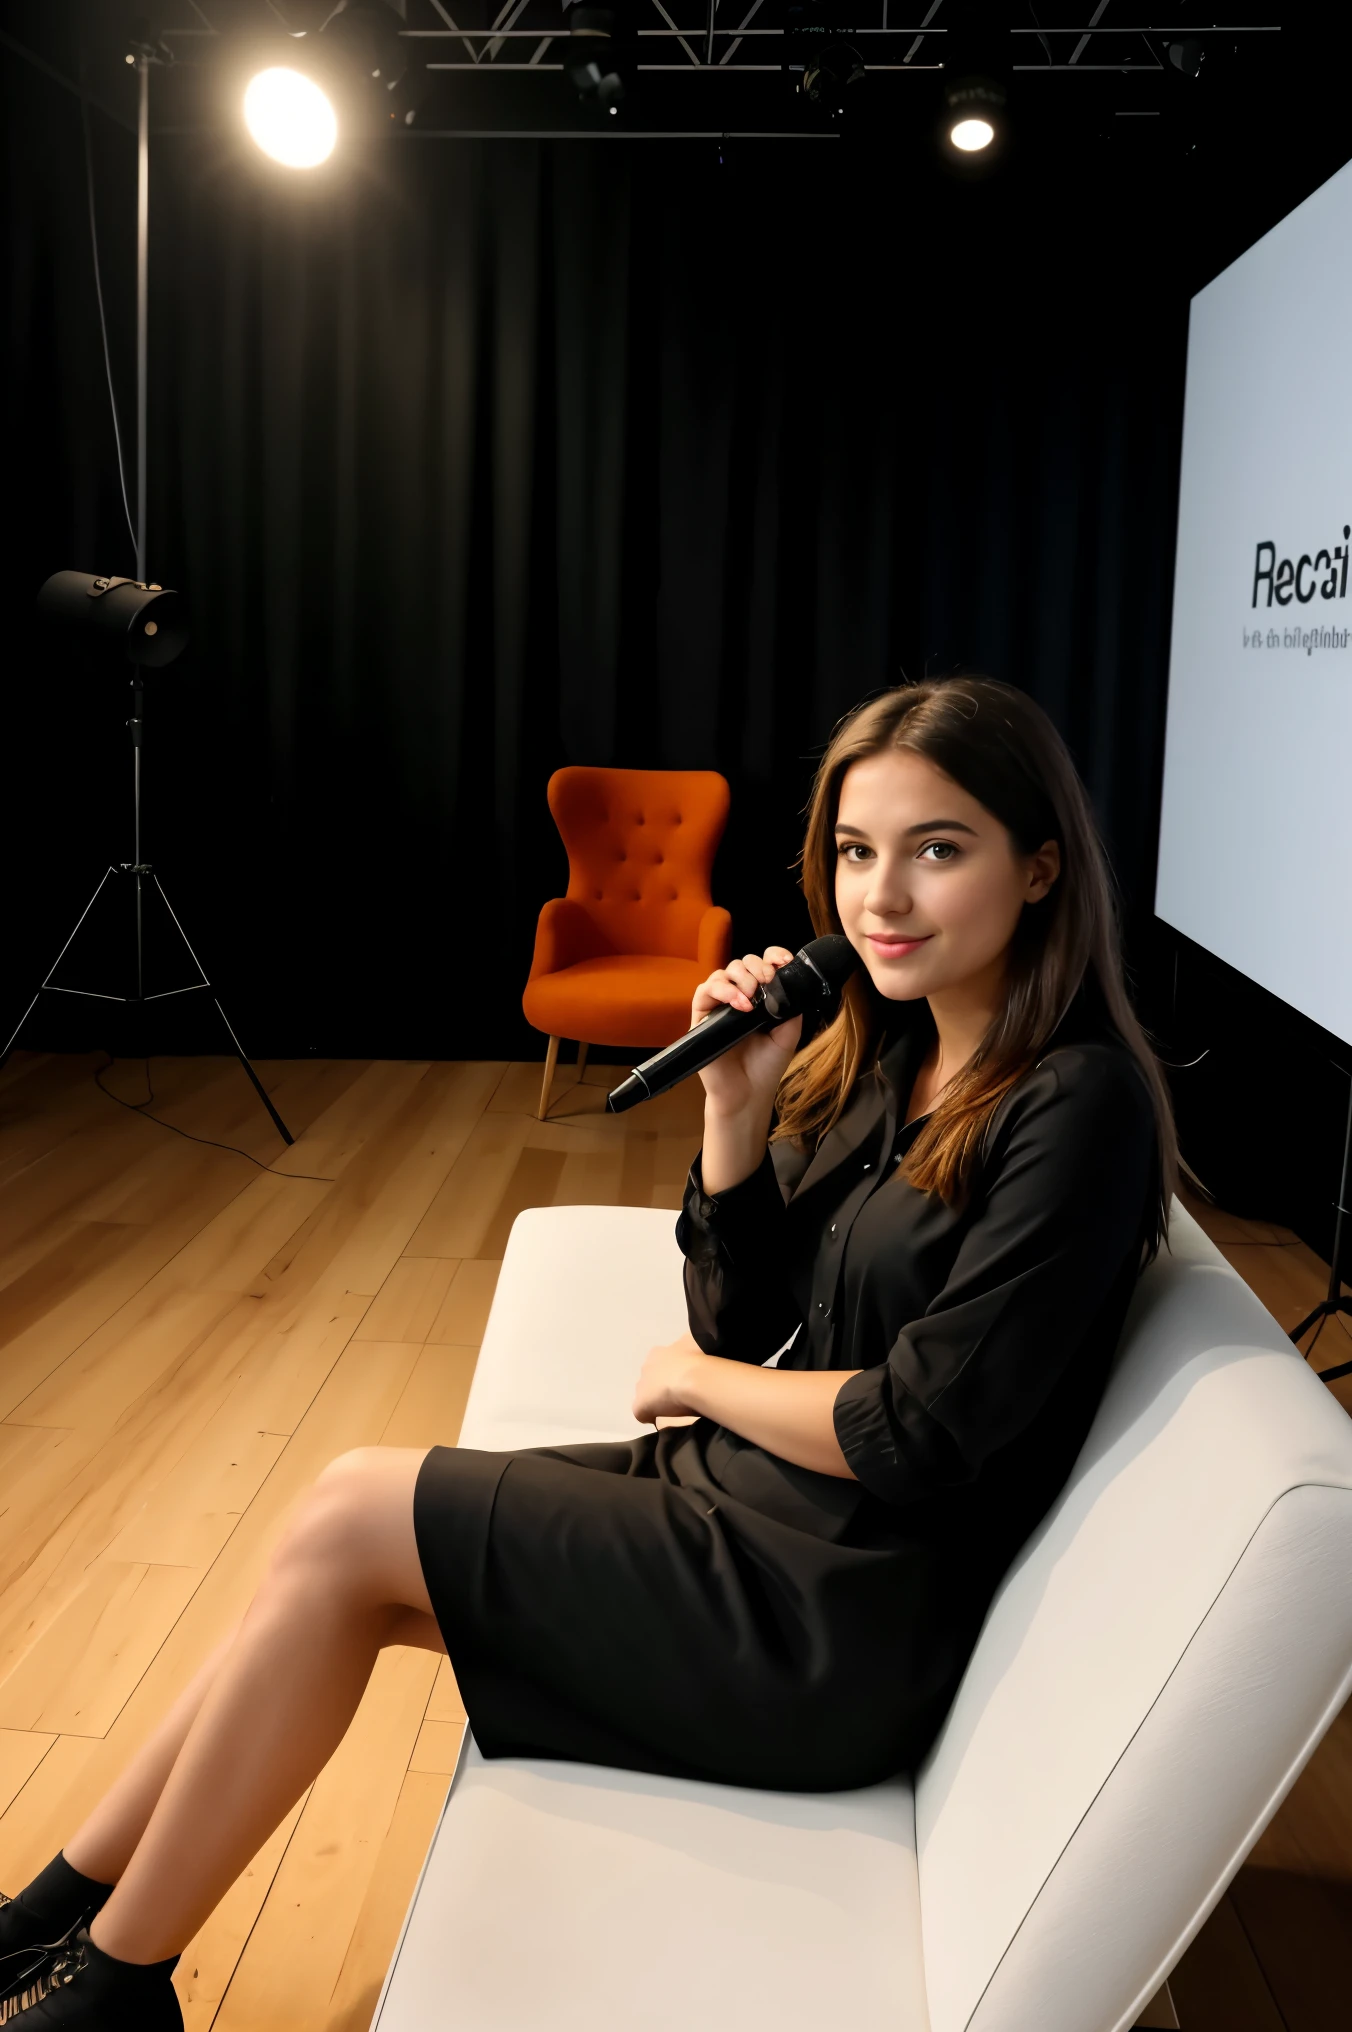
1158,1665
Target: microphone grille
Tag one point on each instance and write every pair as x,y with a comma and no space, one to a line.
833,956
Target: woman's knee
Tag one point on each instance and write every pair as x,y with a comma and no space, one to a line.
348,1529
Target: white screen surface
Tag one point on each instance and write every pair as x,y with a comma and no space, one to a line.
1256,828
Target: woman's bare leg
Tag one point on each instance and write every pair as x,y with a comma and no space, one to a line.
345,1580
102,1845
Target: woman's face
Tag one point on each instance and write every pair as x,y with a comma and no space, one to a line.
929,886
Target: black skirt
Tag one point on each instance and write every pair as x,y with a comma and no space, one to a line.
615,1604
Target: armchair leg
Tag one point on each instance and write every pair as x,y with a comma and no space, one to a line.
551,1060
581,1060
1159,2014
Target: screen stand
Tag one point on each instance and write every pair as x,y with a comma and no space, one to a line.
1336,1300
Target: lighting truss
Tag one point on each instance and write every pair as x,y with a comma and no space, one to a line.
685,36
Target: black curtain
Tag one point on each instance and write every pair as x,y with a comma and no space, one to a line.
481,458
475,458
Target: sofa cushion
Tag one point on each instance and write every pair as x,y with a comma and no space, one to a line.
567,1897
583,1293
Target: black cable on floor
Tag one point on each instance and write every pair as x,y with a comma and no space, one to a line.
139,1108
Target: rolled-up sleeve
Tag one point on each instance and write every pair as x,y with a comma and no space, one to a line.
1060,1216
737,1292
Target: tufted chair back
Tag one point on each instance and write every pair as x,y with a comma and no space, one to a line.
641,845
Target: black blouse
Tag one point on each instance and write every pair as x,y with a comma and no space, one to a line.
982,1333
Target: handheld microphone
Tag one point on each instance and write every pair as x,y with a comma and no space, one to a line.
807,985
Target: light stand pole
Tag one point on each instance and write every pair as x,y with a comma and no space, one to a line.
141,872
1335,1302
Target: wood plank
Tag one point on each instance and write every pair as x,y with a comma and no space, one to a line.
230,1252
291,1963
21,1751
464,1206
90,1303
463,1313
638,1168
192,1512
296,1353
352,1408
406,1306
437,1747
353,1240
534,1182
445,1704
1218,1985
1312,1828
212,1955
84,1667
518,1091
145,1339
433,1402
1300,1930
69,1508
355,1117
376,1933
80,1252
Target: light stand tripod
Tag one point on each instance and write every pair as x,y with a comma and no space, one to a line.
142,874
1335,1302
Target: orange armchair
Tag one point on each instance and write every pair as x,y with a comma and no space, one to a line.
618,958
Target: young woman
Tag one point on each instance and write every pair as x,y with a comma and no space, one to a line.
934,1212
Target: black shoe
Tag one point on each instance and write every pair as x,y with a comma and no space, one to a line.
79,1988
19,1964
66,1901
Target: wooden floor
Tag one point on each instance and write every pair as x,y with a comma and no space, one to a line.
186,1338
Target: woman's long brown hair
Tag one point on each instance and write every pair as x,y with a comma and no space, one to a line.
1002,749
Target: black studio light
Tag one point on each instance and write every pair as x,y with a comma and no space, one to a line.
1187,55
832,68
140,622
592,60
826,68
147,622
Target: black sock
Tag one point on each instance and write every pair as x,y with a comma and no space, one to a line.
58,1898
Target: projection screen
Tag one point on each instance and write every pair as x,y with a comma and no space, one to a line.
1256,829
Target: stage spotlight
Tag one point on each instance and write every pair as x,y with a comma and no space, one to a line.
969,135
973,114
590,59
290,118
1186,56
364,35
357,59
828,74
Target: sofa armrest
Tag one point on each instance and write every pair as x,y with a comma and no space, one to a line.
714,944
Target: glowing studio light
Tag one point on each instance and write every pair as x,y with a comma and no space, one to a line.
971,135
290,118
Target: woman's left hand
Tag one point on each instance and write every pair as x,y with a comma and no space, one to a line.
666,1379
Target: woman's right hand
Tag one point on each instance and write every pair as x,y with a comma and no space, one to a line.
746,1077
